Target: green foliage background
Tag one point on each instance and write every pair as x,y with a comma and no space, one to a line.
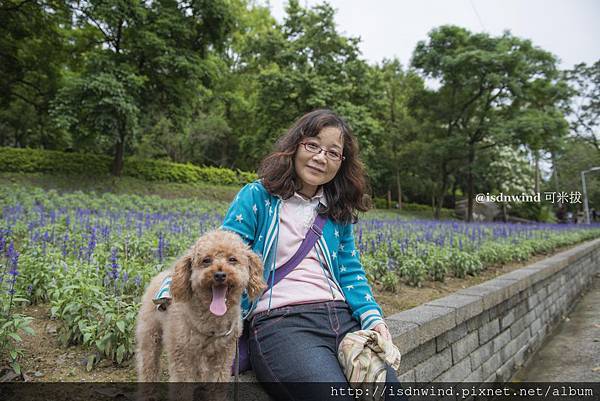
214,83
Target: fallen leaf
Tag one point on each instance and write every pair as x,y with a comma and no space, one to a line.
596,325
596,369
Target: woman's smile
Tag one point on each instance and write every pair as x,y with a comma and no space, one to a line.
315,169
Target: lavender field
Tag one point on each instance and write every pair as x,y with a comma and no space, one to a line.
89,256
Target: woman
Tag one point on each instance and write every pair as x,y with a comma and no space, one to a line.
297,325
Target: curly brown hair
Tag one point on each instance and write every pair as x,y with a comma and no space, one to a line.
345,193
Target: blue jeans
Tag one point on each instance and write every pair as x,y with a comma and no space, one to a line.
293,350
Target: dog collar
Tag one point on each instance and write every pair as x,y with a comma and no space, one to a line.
226,333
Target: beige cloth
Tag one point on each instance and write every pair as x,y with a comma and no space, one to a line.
363,355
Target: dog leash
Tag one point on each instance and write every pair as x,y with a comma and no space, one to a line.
236,382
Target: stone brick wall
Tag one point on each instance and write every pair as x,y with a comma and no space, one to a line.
486,332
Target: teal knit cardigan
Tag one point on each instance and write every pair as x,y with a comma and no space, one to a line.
254,215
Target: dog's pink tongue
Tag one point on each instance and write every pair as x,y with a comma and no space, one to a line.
217,306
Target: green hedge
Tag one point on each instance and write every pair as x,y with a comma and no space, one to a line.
55,162
381,203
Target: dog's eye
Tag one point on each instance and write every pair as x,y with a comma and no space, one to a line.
207,261
233,259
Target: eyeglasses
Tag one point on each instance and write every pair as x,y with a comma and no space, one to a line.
330,154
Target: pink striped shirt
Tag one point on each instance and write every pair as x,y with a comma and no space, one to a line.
308,282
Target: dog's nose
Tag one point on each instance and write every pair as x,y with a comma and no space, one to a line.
220,276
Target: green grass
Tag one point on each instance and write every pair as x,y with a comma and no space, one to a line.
163,189
121,186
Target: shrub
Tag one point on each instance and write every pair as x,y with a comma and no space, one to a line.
380,203
389,281
11,324
36,160
50,161
463,263
375,266
493,253
427,209
416,207
437,267
415,271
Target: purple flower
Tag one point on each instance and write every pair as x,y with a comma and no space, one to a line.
91,244
105,232
64,247
114,266
161,246
12,255
13,261
9,250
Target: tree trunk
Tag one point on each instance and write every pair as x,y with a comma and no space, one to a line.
536,188
436,210
389,199
399,189
555,173
453,194
440,199
470,183
117,167
19,135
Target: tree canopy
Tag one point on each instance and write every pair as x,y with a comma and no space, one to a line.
216,82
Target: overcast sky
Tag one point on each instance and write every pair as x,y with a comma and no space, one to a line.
570,29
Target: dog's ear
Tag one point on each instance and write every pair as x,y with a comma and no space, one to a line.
181,288
256,285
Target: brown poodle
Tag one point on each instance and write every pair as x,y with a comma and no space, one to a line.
199,329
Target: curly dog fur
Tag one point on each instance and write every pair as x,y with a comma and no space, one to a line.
200,344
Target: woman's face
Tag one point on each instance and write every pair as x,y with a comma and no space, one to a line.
314,169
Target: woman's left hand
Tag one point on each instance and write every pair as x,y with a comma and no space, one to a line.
382,329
